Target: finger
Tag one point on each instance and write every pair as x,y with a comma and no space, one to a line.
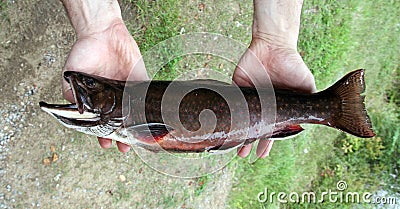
268,150
244,151
123,147
104,143
67,92
262,148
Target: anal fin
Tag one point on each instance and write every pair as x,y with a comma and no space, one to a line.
287,131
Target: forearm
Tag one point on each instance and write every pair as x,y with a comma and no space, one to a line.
91,16
277,21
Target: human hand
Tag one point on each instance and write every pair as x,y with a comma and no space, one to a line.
274,43
286,70
104,48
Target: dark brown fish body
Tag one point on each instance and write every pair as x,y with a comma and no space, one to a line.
201,115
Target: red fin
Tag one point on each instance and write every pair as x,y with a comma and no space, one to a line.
287,131
353,117
149,133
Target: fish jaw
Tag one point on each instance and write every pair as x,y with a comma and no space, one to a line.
68,111
69,116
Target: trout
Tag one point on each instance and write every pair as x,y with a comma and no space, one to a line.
151,115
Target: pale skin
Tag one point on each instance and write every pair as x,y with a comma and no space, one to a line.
275,31
104,47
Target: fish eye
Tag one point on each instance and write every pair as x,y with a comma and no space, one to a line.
89,82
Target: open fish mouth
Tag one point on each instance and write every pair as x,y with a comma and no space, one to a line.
87,122
69,114
94,108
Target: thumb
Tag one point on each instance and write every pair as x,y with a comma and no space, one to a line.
250,71
299,76
67,92
138,72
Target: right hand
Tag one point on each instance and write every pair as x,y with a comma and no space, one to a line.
111,53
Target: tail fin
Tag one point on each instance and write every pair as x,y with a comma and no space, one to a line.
353,117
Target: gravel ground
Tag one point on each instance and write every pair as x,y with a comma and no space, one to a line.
45,165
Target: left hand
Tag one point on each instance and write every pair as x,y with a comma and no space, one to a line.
286,70
275,33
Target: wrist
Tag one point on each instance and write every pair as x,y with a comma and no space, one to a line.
277,22
92,16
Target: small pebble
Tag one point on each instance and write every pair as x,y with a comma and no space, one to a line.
57,177
46,161
55,157
53,148
122,178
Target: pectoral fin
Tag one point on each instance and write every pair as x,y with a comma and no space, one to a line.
149,133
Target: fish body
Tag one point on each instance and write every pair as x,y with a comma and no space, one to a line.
205,115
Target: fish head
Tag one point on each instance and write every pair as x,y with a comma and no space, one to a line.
91,93
98,104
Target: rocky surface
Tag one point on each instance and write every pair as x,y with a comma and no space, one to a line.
43,164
